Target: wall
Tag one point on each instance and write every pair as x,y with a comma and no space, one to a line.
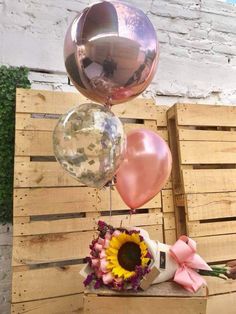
5,268
197,61
198,45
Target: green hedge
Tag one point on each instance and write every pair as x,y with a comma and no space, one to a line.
10,79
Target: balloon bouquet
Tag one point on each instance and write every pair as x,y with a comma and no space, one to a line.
111,54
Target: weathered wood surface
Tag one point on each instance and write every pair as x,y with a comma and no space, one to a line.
55,216
150,305
203,141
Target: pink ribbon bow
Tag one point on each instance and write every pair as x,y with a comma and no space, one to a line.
184,253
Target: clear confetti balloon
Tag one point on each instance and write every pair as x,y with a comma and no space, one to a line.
89,143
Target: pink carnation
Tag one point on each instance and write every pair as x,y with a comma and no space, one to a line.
102,254
108,236
116,233
98,247
103,265
101,241
107,278
95,262
106,244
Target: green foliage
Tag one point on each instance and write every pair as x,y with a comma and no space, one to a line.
10,79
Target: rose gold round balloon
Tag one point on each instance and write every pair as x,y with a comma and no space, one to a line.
111,52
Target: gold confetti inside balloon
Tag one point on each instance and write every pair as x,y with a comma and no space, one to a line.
89,143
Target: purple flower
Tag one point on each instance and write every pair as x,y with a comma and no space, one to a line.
98,284
89,279
148,255
101,225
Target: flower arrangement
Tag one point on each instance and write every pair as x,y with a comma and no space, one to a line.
119,258
123,259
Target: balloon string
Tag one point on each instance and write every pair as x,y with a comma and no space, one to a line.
108,103
110,201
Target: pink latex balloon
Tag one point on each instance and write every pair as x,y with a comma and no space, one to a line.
145,169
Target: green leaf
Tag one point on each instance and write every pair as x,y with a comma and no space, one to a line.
10,79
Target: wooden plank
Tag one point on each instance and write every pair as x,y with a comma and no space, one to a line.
217,248
172,131
28,202
151,125
196,229
39,284
36,101
161,131
39,143
168,185
169,221
83,223
61,246
53,201
150,305
155,232
180,200
42,174
25,122
171,112
43,122
196,152
140,108
33,143
206,135
51,248
218,286
167,201
128,127
117,203
210,205
69,304
207,181
170,236
163,289
224,303
206,115
41,101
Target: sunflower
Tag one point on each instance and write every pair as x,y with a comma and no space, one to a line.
125,253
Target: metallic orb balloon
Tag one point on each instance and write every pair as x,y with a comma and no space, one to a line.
89,143
111,52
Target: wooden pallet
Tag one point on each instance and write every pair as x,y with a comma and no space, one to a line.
55,216
221,296
163,298
204,175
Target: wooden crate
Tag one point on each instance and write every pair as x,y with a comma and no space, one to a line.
221,296
204,175
163,298
55,216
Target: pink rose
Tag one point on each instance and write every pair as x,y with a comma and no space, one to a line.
107,278
106,244
98,247
95,262
99,273
103,265
101,241
102,254
116,233
108,236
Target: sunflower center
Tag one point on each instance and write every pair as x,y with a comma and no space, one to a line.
129,256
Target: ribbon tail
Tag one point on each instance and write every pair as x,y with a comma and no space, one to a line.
188,279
